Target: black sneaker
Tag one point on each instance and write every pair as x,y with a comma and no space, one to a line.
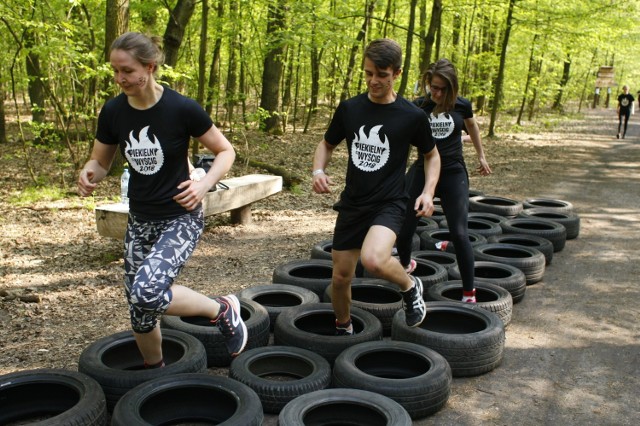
414,308
231,325
344,329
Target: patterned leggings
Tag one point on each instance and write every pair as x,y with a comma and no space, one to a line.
154,254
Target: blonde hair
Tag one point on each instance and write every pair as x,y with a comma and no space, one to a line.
146,50
444,69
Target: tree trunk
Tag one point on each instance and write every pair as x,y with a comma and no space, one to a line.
231,88
36,87
455,37
407,49
272,71
434,24
566,73
215,60
354,49
3,117
116,23
500,80
178,20
529,77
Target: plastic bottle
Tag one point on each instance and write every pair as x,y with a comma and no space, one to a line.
124,185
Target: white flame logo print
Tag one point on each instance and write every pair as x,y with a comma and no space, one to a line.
144,155
441,126
368,152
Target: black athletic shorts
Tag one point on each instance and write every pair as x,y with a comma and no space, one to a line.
353,223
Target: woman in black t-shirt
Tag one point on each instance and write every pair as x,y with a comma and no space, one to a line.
448,116
152,126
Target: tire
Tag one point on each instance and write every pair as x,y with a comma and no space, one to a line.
548,203
529,260
116,364
313,274
430,272
279,374
569,220
414,376
492,217
489,296
430,239
322,250
50,396
425,224
475,193
484,227
443,258
277,297
508,277
352,407
470,338
552,231
253,314
379,297
312,327
542,244
195,398
497,205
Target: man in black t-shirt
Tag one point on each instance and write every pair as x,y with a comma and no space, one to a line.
379,127
625,108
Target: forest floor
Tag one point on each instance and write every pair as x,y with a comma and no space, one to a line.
572,353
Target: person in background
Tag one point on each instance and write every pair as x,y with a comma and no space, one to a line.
625,109
152,126
449,115
379,127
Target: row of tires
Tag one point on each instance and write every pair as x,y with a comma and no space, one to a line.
308,374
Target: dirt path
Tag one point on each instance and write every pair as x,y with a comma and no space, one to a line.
572,353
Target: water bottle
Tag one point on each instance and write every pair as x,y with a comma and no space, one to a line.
124,186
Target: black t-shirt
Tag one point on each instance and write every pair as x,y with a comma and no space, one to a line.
447,128
155,143
378,140
625,100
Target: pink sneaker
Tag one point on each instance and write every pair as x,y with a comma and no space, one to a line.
469,296
411,267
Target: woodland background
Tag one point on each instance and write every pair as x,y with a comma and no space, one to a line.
281,66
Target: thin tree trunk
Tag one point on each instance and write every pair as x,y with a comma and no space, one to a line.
407,49
369,8
529,77
215,61
231,88
272,71
35,85
434,24
500,80
174,33
566,73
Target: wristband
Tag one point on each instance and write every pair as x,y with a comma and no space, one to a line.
317,172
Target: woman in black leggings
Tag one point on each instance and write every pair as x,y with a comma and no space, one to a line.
448,115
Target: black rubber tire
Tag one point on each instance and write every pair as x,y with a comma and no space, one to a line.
430,272
542,244
470,338
548,203
484,227
312,327
322,250
353,407
195,398
378,297
116,364
475,192
569,220
45,397
312,274
529,260
498,205
443,258
489,296
253,314
508,277
418,378
277,297
279,374
429,239
552,231
425,224
492,217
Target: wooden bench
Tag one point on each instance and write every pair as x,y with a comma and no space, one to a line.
111,219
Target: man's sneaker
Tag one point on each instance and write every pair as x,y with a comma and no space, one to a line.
412,266
231,325
469,296
414,307
344,329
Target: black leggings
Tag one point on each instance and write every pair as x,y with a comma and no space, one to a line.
453,191
626,113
